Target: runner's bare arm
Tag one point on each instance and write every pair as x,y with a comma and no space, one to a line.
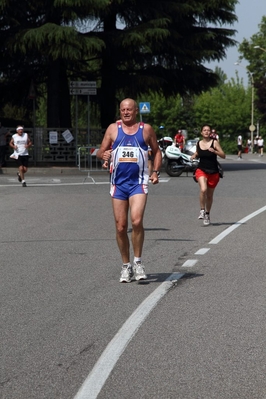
104,151
151,139
218,150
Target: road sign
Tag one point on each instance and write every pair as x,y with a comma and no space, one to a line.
144,108
252,128
82,84
83,91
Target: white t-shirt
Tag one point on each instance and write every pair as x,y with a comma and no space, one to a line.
239,140
20,142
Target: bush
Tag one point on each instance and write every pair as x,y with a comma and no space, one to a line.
229,146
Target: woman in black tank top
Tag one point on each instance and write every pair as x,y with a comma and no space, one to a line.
207,173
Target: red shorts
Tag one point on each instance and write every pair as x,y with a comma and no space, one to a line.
212,178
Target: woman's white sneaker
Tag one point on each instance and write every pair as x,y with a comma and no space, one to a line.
201,214
206,220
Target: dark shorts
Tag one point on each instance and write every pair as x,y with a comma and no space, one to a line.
23,160
212,178
125,191
239,147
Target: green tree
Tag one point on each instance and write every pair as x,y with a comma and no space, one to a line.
254,52
227,108
161,46
40,41
129,46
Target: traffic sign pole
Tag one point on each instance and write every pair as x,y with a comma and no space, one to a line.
89,121
83,88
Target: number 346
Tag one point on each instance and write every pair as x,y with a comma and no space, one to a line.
128,154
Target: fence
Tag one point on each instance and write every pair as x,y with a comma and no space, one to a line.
88,162
57,150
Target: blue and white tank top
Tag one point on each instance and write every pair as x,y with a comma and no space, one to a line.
129,157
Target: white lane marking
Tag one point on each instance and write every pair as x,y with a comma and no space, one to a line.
229,230
202,251
103,367
31,184
190,263
53,184
256,160
36,180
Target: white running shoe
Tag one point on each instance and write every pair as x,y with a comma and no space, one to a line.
126,274
201,214
139,271
206,220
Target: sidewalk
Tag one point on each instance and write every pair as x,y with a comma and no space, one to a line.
245,158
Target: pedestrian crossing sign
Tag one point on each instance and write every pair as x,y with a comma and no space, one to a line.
144,108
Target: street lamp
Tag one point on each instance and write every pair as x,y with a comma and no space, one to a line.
261,48
264,50
252,127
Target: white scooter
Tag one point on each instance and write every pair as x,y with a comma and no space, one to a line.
163,143
176,162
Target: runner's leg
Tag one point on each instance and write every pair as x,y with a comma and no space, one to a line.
137,207
120,209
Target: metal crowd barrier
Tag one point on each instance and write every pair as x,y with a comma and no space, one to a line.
88,162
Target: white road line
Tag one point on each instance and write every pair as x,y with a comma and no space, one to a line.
229,230
190,263
29,184
103,367
100,372
202,251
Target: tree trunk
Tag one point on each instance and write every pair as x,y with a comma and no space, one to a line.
58,98
108,101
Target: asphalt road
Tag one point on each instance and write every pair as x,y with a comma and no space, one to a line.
194,330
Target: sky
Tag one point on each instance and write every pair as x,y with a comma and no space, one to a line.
249,14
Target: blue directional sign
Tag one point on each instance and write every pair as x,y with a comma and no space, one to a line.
144,108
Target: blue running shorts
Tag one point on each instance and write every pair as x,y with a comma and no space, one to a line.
125,191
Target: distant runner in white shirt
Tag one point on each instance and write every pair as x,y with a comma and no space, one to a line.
260,146
20,142
239,146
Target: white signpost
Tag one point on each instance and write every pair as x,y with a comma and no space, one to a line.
83,91
83,88
83,83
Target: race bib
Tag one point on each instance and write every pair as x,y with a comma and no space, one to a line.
128,154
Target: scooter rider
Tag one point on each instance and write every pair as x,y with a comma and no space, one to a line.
179,140
214,135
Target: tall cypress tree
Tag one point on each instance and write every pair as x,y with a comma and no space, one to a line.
40,41
129,46
161,45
